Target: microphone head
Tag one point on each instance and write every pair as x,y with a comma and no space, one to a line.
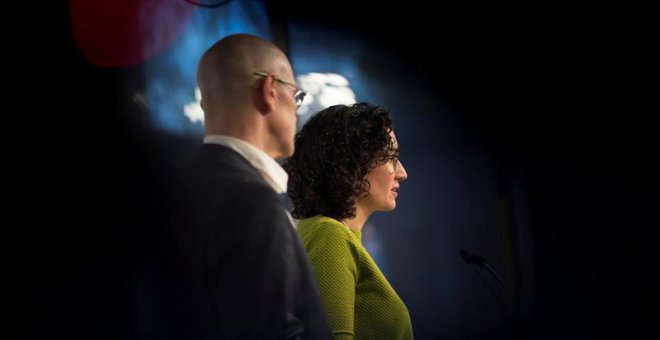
478,260
471,257
466,255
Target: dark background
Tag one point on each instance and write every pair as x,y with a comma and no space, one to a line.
558,100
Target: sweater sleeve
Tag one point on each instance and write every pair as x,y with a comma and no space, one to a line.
334,260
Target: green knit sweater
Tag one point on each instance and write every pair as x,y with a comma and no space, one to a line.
359,301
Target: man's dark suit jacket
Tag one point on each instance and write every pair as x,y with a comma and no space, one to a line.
228,263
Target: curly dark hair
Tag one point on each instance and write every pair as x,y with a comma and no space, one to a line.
334,152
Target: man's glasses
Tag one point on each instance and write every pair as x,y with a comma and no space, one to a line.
299,94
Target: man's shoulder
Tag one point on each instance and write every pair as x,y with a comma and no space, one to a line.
220,165
213,156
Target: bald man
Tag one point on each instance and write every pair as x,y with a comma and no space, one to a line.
233,267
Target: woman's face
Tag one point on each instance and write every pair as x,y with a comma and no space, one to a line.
384,182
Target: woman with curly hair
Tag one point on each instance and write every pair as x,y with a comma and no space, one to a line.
344,168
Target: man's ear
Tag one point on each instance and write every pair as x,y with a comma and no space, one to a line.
268,94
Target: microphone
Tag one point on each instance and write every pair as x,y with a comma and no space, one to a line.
478,260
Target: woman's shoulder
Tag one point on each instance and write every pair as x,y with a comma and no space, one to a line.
328,240
322,226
